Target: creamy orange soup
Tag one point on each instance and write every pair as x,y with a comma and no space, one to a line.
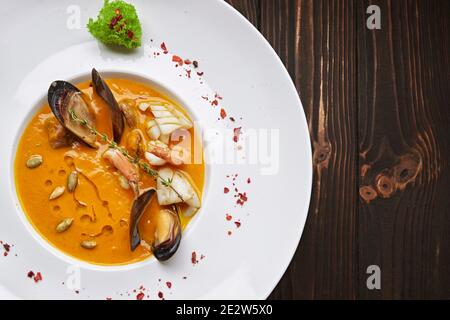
105,215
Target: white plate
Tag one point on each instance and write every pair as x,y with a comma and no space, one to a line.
42,45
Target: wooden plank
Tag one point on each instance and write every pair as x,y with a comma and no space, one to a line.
404,150
316,41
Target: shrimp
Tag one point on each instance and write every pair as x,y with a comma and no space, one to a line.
176,155
126,168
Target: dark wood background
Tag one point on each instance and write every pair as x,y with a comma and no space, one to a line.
378,110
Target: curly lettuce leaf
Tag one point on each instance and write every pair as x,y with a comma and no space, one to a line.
117,24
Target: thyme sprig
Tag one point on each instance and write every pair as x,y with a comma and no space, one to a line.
135,160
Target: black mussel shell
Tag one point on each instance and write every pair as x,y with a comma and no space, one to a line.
140,204
64,97
163,249
102,89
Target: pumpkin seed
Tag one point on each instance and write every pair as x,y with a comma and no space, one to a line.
34,161
88,244
58,192
124,182
64,225
72,181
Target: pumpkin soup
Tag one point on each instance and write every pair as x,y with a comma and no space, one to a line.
105,171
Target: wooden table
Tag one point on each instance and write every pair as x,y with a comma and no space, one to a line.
378,109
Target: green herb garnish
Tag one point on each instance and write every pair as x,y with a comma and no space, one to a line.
118,24
113,145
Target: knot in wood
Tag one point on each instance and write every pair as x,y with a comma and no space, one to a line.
367,193
321,153
385,185
407,169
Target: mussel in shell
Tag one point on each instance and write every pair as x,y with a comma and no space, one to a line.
102,89
64,98
136,143
140,204
167,234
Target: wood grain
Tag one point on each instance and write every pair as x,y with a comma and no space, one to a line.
403,104
316,41
377,104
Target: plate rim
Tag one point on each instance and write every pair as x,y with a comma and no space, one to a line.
304,125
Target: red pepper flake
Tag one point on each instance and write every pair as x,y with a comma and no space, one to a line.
130,34
108,298
195,64
249,181
228,217
117,11
187,61
194,257
236,133
217,96
184,278
164,48
177,59
223,114
160,295
115,20
214,103
7,248
169,284
238,224
205,98
30,274
229,233
232,119
140,296
200,73
188,73
226,190
37,277
242,198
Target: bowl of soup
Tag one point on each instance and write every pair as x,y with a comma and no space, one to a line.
104,159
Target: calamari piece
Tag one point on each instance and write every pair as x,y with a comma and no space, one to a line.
178,191
153,130
195,203
143,106
181,189
126,168
165,138
167,120
154,160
